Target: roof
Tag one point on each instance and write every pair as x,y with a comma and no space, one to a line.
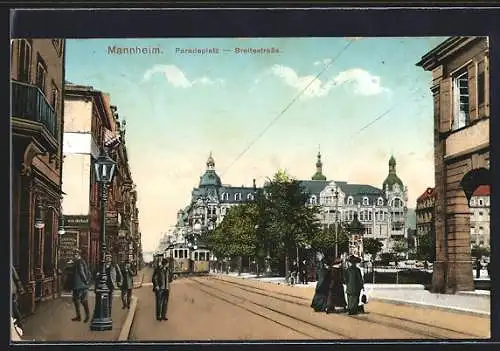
428,193
482,190
357,191
448,47
210,178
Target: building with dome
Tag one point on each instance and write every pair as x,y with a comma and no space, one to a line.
382,212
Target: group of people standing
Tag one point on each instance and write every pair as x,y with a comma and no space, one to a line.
329,295
299,273
116,277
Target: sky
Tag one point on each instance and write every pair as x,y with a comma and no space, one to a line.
358,100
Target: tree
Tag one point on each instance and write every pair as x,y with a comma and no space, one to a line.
399,247
372,246
426,250
289,222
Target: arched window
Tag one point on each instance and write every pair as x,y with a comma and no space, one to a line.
366,201
250,197
224,196
380,201
481,202
237,197
350,201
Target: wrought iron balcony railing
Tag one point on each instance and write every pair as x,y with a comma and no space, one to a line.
28,102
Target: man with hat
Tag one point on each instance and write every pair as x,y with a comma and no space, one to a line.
127,284
161,283
336,295
354,285
80,286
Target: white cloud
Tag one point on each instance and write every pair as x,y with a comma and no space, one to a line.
362,81
176,77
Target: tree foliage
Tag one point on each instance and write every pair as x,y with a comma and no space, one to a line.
479,251
426,250
372,246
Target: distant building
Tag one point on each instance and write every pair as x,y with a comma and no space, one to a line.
425,212
460,90
480,216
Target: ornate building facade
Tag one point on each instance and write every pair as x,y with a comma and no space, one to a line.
425,213
37,119
381,211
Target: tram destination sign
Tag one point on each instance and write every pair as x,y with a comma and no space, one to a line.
76,221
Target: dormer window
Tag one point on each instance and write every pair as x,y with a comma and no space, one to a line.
366,202
237,197
380,202
250,197
224,197
350,200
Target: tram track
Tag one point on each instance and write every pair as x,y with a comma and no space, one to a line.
344,331
203,287
400,323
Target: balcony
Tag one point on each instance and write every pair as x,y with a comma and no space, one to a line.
33,116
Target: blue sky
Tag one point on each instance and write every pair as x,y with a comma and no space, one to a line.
179,107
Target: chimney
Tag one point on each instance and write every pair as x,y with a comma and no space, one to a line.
254,185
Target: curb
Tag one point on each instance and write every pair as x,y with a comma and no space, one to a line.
139,285
431,306
127,325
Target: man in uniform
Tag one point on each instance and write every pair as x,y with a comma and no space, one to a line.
161,282
354,285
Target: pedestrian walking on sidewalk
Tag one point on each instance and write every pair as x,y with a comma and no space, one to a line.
16,290
80,286
126,286
319,302
336,294
161,287
113,278
354,285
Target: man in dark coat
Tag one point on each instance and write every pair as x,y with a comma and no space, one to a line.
126,286
354,285
336,295
161,285
80,286
303,276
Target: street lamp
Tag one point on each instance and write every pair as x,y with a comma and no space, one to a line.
336,196
104,170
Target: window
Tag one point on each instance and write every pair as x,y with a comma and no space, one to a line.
224,196
368,231
480,213
369,215
365,201
380,201
473,202
350,200
41,74
481,202
250,197
460,100
237,197
481,88
24,61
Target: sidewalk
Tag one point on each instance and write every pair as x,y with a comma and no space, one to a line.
52,319
473,302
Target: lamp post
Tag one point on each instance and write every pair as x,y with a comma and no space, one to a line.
336,223
104,171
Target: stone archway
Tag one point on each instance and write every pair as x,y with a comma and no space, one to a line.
473,179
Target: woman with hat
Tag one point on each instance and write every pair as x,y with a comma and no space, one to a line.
319,301
354,285
336,297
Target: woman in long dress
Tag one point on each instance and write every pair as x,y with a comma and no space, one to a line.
336,295
319,301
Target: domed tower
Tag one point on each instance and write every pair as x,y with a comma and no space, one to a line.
392,177
319,169
210,178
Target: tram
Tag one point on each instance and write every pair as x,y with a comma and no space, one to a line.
186,260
